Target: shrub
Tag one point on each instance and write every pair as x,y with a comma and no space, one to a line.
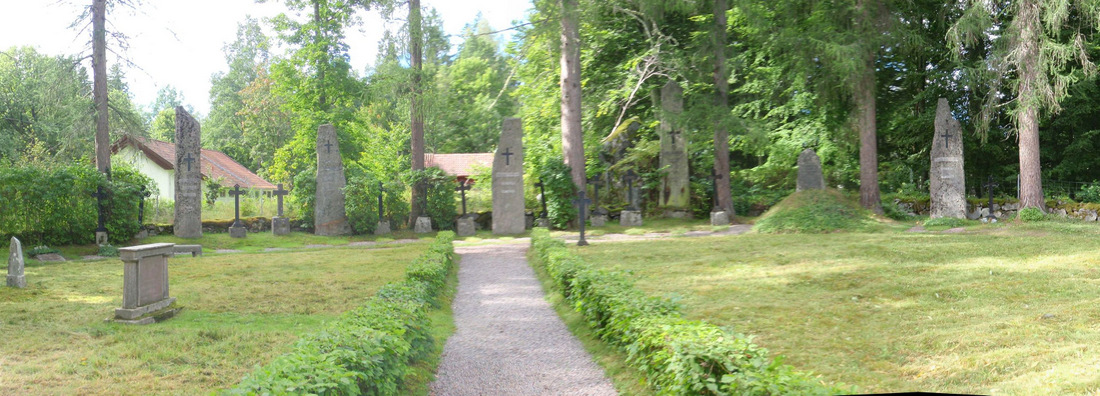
107,250
950,222
302,194
893,211
677,356
1031,214
361,202
813,211
1089,194
560,191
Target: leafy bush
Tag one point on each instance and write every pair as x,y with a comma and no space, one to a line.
361,201
1031,214
560,191
440,198
303,193
893,211
37,250
368,350
107,250
211,190
813,211
1089,194
950,222
677,356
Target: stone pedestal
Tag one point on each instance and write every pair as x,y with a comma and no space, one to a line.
598,220
630,218
382,228
542,222
238,232
423,225
15,265
465,226
101,238
145,296
280,225
719,218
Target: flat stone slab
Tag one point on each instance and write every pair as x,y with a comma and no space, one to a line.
50,257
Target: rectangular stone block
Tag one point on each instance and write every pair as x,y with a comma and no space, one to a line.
145,280
188,176
507,189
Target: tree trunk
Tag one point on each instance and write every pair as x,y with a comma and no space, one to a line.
572,138
1027,115
419,191
868,138
721,104
99,86
322,62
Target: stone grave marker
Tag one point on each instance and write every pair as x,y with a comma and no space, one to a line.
423,225
237,230
631,216
947,181
280,225
188,220
810,176
329,216
145,297
675,188
15,264
508,210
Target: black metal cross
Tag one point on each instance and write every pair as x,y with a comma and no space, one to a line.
99,196
630,177
947,140
236,193
279,193
989,185
141,206
462,188
328,146
189,160
542,196
714,177
582,209
507,156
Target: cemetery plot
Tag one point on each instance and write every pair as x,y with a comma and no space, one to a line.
240,310
997,309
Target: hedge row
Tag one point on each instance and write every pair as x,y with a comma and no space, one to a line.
677,356
368,350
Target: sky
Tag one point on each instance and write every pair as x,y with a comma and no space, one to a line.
179,43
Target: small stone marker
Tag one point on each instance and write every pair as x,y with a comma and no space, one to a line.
675,184
329,216
15,264
280,225
508,215
581,202
631,216
810,176
423,225
237,230
947,181
101,229
188,206
145,296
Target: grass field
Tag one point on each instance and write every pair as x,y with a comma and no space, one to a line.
240,310
999,309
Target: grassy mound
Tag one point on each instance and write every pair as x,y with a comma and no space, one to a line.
814,211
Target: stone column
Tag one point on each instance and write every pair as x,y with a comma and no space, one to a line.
15,265
810,176
947,181
508,216
145,297
188,222
329,215
675,187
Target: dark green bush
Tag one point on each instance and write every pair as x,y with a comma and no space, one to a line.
303,193
440,202
1031,214
368,350
560,192
677,356
361,201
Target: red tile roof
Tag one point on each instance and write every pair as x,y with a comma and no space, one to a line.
459,165
214,163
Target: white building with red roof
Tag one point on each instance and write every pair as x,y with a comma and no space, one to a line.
155,158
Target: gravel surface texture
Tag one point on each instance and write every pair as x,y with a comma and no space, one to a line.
508,340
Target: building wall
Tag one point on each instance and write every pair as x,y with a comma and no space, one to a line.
164,179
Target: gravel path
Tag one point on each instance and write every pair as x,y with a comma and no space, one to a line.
508,339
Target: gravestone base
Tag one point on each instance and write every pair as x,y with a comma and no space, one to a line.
280,225
19,281
148,317
382,228
465,226
101,238
238,232
598,220
423,225
542,222
719,218
630,218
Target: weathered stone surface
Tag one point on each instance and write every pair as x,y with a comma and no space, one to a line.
54,257
465,226
238,232
630,218
508,210
100,238
188,206
193,250
423,225
675,184
16,264
810,176
598,220
382,228
719,218
145,281
329,215
280,225
947,181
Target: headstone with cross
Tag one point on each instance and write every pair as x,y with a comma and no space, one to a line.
329,216
630,216
947,182
507,189
101,228
675,193
582,203
280,225
188,174
237,230
989,186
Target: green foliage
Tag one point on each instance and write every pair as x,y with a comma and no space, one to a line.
361,201
950,222
560,192
893,211
303,194
677,356
37,250
212,189
1089,194
107,250
368,350
813,211
1031,214
440,205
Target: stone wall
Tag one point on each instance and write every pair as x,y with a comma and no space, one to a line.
253,224
1006,209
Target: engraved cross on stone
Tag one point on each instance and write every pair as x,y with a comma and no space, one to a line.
279,193
507,156
328,146
189,160
462,188
582,209
947,140
236,193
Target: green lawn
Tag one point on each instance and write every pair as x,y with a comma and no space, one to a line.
240,310
1001,309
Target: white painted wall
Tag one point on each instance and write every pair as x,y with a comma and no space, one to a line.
163,179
